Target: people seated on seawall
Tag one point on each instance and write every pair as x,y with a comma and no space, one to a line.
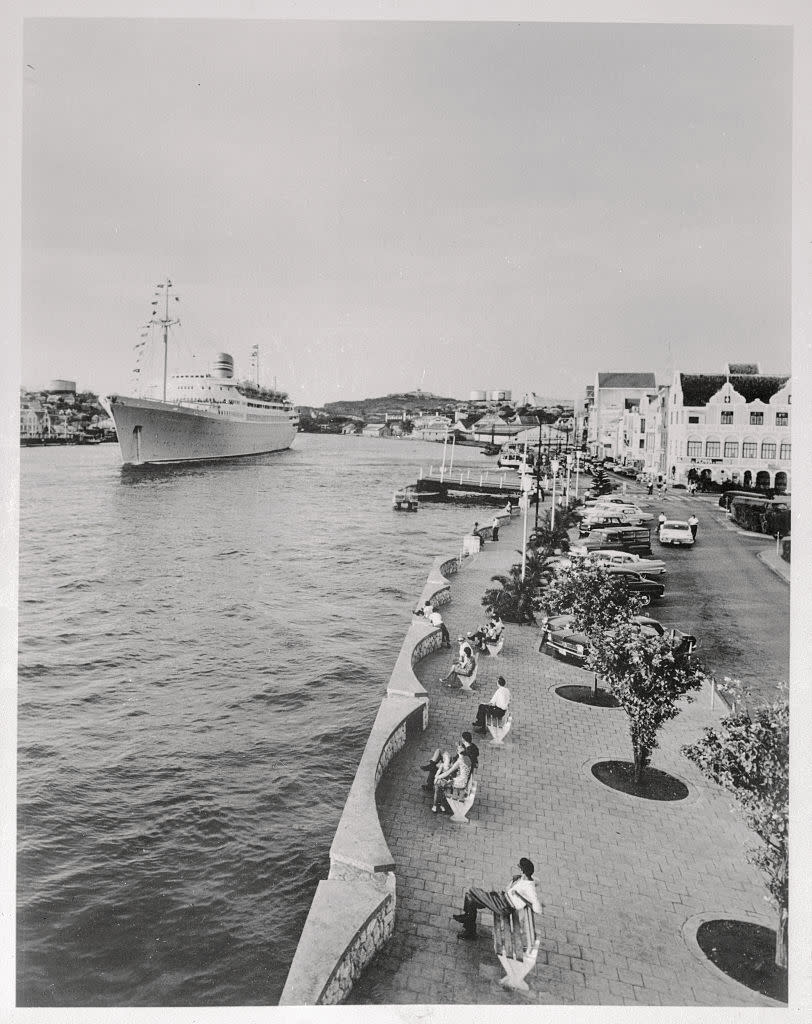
495,708
451,780
436,619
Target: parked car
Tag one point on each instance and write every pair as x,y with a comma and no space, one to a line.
628,510
622,516
675,531
559,636
646,589
651,567
604,499
636,539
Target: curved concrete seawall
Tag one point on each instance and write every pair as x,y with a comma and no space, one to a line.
353,911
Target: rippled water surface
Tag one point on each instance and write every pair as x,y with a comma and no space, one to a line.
202,653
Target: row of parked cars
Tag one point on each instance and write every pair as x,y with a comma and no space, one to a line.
611,531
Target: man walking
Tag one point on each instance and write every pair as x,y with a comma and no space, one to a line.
497,707
520,893
693,522
495,528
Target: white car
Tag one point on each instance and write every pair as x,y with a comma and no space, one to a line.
675,531
631,515
651,567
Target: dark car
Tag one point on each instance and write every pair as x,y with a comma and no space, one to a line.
559,637
645,588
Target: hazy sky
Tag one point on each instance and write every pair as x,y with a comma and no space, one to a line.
391,205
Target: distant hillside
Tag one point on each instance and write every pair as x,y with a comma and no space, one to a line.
370,409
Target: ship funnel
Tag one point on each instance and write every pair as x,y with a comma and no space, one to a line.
223,366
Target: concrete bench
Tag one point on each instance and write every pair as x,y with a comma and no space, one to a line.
461,800
516,945
496,649
499,728
466,682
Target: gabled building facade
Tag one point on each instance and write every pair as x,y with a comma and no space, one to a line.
733,426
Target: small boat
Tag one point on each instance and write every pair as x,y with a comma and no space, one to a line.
405,499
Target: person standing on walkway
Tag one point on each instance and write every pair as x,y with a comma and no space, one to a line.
497,707
495,528
520,893
693,522
436,619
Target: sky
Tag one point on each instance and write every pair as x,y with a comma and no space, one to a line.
391,205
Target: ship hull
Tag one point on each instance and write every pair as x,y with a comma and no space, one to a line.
152,433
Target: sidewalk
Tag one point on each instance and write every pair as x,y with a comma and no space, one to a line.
618,876
774,561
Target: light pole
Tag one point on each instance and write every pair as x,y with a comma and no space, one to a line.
569,467
524,501
554,466
577,471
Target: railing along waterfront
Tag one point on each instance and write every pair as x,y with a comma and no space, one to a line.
353,911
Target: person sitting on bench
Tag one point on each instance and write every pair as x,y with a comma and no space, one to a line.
432,766
497,707
463,666
453,778
520,893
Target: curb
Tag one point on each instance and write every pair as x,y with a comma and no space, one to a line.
764,557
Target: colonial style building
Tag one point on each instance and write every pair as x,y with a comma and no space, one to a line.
733,426
614,394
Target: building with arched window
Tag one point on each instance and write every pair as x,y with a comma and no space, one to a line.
731,427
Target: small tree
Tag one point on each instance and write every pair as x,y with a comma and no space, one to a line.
648,679
600,483
748,755
597,598
513,600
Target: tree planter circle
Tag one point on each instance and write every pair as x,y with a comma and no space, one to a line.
741,950
586,695
655,784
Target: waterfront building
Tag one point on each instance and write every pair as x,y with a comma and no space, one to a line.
730,427
614,394
35,418
377,430
431,428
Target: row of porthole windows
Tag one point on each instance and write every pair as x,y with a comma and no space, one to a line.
749,450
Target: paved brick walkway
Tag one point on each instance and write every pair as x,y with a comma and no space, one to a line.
618,876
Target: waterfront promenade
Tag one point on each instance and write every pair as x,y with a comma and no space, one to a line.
624,882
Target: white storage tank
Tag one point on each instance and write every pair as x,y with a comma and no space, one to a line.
499,395
223,366
477,396
63,386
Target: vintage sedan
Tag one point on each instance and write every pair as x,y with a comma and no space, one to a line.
675,531
654,568
647,590
622,516
559,637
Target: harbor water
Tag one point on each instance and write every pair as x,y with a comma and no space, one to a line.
202,651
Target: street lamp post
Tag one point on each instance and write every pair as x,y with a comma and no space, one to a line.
538,473
524,501
569,467
577,471
554,466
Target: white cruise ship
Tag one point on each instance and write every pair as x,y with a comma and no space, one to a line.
201,416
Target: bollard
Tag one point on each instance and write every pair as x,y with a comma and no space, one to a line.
501,482
460,476
778,543
420,473
469,474
480,479
713,692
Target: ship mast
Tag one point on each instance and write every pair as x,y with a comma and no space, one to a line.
166,323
